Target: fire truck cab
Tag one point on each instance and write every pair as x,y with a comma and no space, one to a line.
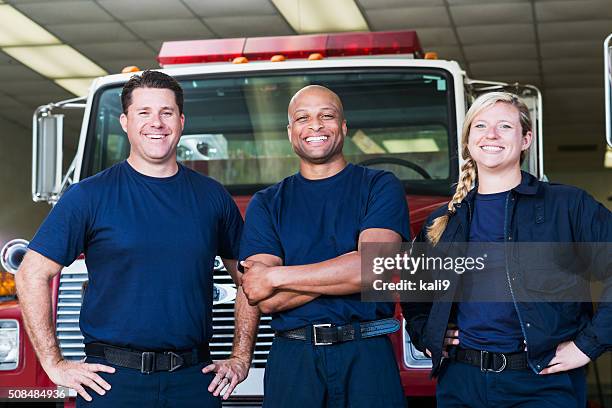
404,114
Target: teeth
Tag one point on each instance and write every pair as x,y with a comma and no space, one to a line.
154,136
316,138
492,148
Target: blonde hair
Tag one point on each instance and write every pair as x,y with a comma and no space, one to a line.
469,171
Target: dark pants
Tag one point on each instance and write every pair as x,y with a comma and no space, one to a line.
184,388
463,385
358,373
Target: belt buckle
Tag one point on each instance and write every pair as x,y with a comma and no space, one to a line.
147,364
484,353
176,361
314,334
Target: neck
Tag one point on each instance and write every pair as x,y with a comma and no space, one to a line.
490,182
314,171
159,170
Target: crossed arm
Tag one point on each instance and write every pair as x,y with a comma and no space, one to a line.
274,287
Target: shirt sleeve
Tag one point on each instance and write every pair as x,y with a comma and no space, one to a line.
387,207
231,228
593,223
63,234
259,235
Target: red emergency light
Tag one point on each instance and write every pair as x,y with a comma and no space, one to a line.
294,46
291,46
195,52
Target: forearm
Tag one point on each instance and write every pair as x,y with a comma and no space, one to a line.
35,301
337,276
245,332
231,266
285,300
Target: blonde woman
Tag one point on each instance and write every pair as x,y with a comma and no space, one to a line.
510,353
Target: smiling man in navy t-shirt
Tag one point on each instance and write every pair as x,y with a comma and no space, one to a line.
300,250
150,230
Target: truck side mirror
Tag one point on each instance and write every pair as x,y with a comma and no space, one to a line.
47,155
608,87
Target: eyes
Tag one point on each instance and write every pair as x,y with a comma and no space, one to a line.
499,126
146,114
325,116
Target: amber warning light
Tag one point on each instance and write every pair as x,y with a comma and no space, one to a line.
313,47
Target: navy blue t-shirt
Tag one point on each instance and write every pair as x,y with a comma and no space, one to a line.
490,326
149,246
306,221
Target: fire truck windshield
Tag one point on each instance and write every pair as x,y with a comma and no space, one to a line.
400,120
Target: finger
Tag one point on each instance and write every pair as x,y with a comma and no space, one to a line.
246,264
228,391
451,341
100,381
92,384
215,381
100,367
221,386
428,353
81,391
445,353
209,368
552,369
452,333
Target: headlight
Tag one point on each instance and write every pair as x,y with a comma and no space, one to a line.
9,344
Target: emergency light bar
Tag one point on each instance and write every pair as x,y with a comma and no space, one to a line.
404,42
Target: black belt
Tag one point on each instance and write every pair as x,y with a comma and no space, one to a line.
148,361
489,361
326,334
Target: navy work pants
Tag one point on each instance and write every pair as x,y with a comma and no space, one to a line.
464,385
357,373
183,388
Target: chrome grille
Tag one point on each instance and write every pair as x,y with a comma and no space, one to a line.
68,310
71,339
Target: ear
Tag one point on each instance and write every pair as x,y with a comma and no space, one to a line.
289,132
182,122
526,140
344,128
123,120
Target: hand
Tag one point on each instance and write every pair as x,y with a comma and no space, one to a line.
256,282
567,357
230,373
76,374
451,338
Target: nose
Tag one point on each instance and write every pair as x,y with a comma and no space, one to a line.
492,133
315,124
156,121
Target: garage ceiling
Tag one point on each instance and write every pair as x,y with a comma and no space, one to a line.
555,45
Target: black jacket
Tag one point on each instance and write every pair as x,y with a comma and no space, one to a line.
535,212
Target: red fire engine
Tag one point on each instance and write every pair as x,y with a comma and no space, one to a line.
404,112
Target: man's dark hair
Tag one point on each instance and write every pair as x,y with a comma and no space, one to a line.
151,79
